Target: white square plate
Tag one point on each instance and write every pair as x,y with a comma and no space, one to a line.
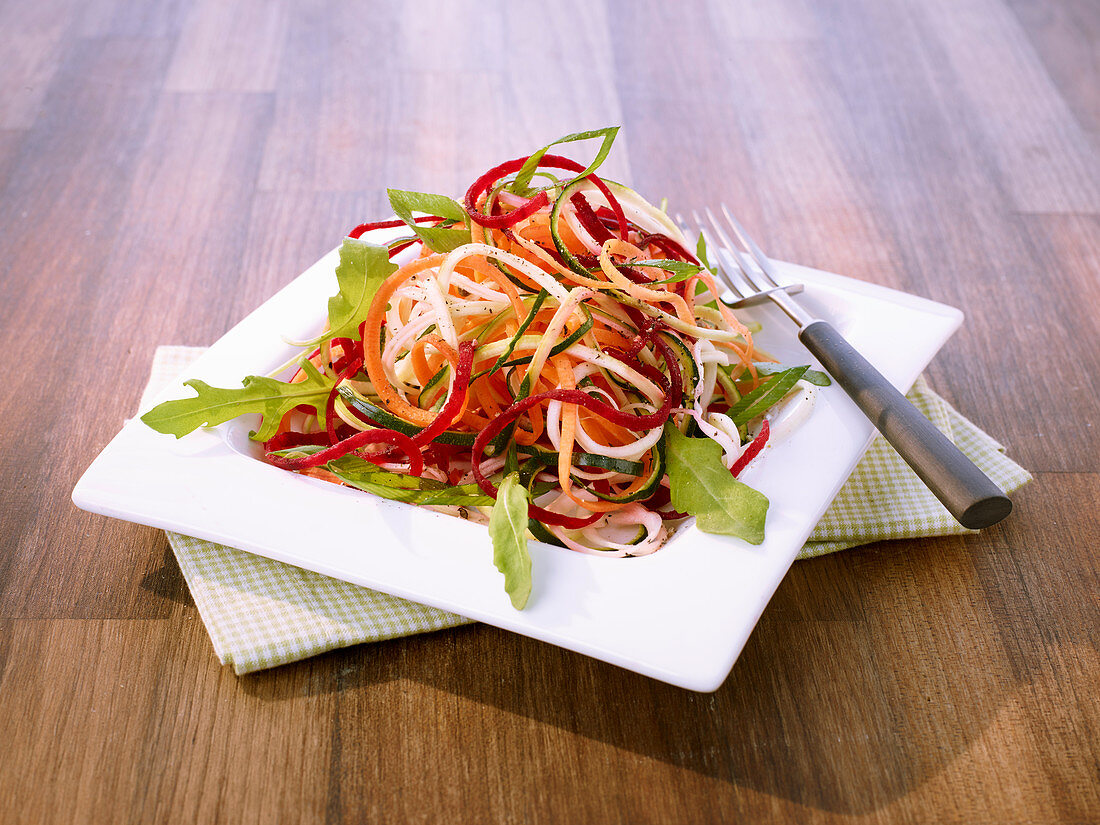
681,615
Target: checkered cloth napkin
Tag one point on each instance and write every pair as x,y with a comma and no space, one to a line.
262,613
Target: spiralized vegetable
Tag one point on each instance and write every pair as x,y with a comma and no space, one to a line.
559,341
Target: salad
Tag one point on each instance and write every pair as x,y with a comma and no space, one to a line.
548,357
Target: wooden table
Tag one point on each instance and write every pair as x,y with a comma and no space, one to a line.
166,166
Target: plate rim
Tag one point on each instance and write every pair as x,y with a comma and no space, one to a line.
94,491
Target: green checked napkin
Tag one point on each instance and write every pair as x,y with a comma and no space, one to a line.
262,613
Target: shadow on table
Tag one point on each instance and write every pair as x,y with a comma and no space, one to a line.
165,579
845,698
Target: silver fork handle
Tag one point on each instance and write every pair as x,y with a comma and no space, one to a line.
968,493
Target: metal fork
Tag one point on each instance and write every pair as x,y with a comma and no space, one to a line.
968,494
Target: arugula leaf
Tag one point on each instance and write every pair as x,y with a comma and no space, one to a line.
213,405
370,478
523,177
508,530
511,459
362,269
701,486
426,202
765,396
701,253
815,377
681,270
437,238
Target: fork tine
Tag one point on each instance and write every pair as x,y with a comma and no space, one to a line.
721,266
762,286
749,244
748,292
734,251
721,271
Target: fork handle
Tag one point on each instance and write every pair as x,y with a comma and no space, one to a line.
968,493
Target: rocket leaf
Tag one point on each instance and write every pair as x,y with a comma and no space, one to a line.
362,269
523,177
701,486
508,530
816,377
770,392
701,254
438,238
214,405
400,487
681,270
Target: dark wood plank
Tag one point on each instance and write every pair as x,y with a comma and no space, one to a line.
10,140
35,36
1066,38
61,211
234,46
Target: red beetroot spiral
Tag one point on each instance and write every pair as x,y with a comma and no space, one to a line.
588,219
364,228
753,450
459,387
667,245
582,399
486,181
355,442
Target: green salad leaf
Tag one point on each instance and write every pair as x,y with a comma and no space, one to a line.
701,254
213,405
681,270
362,269
701,486
769,393
437,238
508,530
511,459
523,177
364,475
815,377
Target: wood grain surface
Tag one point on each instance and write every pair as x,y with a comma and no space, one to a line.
167,165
